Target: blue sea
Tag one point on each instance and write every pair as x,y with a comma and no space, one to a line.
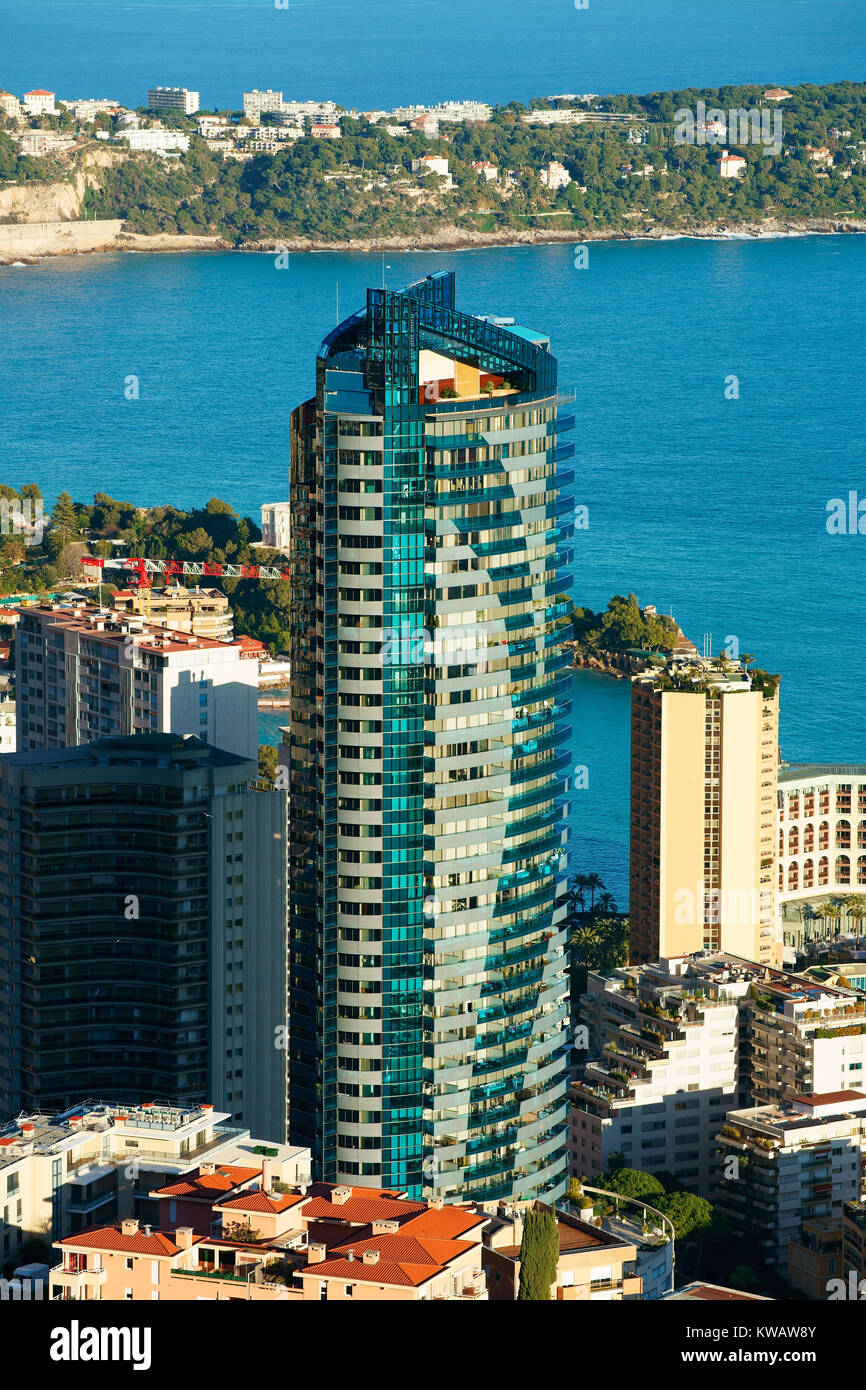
720,384
707,503
378,53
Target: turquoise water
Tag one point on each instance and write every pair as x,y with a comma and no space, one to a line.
383,52
714,507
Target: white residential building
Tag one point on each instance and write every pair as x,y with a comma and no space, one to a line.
86,109
822,830
7,727
731,166
256,102
39,103
433,164
10,106
663,1072
157,141
555,176
554,117
174,98
490,171
795,1162
85,673
109,1158
276,524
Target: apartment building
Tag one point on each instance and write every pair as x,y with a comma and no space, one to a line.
39,102
156,141
273,1241
426,754
101,1162
662,1070
822,830
704,758
203,612
815,1258
782,1165
674,1044
255,103
593,1265
142,928
84,673
174,99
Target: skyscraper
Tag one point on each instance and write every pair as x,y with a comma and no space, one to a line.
704,763
427,754
142,939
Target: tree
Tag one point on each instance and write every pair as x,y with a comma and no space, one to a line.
64,523
267,762
688,1212
539,1255
631,1182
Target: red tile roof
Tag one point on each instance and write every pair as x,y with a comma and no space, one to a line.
445,1223
363,1207
384,1272
830,1098
112,1238
261,1201
402,1249
209,1185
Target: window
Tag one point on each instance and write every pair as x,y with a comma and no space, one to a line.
350,1290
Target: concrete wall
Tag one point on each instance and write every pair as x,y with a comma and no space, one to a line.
55,238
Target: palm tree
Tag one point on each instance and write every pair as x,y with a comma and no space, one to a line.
579,886
593,882
606,904
856,905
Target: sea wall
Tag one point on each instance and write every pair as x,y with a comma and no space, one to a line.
24,239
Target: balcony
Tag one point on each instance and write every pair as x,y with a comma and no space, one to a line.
75,1282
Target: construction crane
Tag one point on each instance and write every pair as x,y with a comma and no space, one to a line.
146,570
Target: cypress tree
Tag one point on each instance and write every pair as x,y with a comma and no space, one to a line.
539,1255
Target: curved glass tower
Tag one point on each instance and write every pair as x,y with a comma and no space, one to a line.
428,755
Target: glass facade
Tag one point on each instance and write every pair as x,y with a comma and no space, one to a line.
427,755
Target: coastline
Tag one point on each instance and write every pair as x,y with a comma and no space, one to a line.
49,240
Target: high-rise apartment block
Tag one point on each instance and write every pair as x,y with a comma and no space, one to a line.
704,759
142,936
84,673
427,754
173,99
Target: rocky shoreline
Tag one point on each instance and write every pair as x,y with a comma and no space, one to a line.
443,239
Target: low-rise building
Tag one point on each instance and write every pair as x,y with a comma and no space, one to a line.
204,612
593,1265
489,171
816,1257
10,106
251,1237
157,141
39,103
43,142
555,176
433,164
731,166
325,130
276,525
101,1162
